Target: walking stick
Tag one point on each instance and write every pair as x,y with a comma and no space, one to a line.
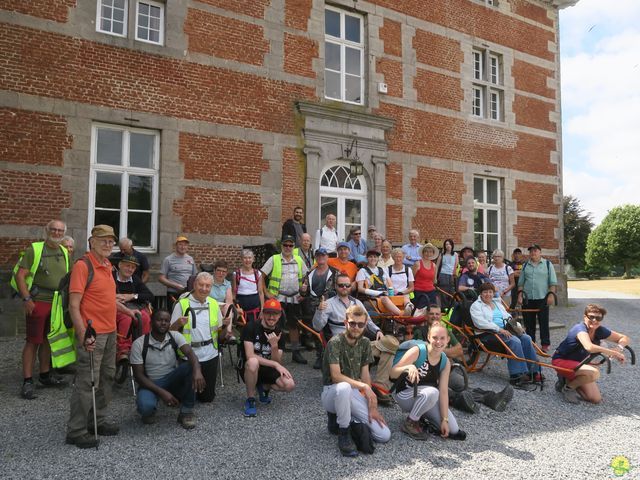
90,332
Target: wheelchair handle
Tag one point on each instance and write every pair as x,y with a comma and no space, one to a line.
592,357
555,298
190,311
633,354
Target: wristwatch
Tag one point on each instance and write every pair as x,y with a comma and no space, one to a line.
135,296
27,299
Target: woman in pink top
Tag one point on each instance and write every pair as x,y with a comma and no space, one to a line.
424,273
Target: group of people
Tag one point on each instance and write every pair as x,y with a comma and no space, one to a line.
175,355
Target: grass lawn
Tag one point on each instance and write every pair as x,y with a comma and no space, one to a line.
609,285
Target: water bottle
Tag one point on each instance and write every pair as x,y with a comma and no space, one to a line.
391,292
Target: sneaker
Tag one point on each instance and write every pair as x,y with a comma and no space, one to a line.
50,380
187,420
332,423
560,383
297,357
459,435
83,441
570,395
345,443
263,395
250,407
28,391
105,429
545,348
413,429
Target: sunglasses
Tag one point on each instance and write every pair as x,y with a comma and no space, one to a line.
343,285
356,324
597,318
287,245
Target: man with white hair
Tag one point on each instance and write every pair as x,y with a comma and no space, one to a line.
327,236
412,249
127,250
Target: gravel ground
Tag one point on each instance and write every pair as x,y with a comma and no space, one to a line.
539,436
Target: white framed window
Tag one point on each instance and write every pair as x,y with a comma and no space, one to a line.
487,90
344,196
150,22
486,213
111,17
123,183
344,56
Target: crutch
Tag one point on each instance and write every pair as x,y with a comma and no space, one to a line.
138,332
90,332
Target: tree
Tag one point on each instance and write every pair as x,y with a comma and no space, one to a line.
577,227
616,240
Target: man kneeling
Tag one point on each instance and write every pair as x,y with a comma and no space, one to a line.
154,357
261,350
347,393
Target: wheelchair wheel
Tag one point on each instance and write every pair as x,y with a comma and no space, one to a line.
469,350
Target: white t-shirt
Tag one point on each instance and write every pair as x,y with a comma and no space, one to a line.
399,278
500,277
247,284
364,275
326,237
202,332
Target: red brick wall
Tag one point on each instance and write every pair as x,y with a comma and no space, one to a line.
439,90
391,35
207,253
532,78
536,230
479,21
299,53
221,160
10,248
253,8
51,65
225,37
56,10
437,51
534,12
394,223
221,212
28,198
33,137
297,13
394,180
428,134
293,180
439,186
435,223
535,197
534,113
392,71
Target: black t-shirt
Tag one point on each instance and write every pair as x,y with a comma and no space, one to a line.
254,332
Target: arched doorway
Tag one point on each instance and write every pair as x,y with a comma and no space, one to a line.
346,197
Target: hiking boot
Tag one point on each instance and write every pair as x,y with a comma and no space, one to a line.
520,380
187,420
50,380
545,348
317,365
105,429
560,383
297,357
149,419
570,395
498,401
459,435
332,423
263,395
345,443
464,402
250,409
28,391
82,441
413,429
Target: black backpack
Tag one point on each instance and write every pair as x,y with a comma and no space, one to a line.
63,290
145,347
361,435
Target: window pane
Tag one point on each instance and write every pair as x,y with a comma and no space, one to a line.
143,21
341,175
492,242
332,23
141,150
478,241
353,89
144,8
352,61
139,228
332,56
154,11
477,65
105,25
108,217
119,4
352,212
106,11
109,147
492,221
478,189
478,220
140,192
118,28
328,205
118,15
142,33
492,192
332,84
154,23
108,187
352,28
154,36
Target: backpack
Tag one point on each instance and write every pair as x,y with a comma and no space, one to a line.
377,283
145,347
361,435
422,355
63,290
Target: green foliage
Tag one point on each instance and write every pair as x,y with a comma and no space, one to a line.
616,240
577,227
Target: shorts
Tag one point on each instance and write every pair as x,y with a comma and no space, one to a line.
563,363
266,375
38,323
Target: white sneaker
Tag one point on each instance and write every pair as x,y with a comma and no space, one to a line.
570,395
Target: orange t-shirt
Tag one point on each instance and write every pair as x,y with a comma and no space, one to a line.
98,302
349,268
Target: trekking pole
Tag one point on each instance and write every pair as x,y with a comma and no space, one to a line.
90,332
138,332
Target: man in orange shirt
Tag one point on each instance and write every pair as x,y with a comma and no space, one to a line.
343,264
92,296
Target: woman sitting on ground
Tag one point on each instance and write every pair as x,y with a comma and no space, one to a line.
432,399
488,313
583,339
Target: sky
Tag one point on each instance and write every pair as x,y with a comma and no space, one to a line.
600,74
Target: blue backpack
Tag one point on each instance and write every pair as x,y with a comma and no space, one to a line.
422,355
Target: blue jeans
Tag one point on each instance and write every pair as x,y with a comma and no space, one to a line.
178,383
522,347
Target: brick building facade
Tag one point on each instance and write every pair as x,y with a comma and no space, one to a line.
214,118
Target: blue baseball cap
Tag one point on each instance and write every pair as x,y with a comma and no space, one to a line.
321,251
343,244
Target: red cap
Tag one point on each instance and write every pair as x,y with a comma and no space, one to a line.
272,305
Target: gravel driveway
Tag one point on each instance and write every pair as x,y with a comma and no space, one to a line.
539,436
